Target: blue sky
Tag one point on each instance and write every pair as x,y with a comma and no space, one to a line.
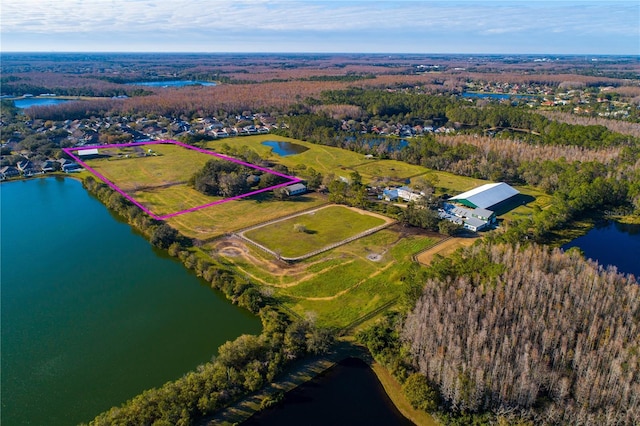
489,26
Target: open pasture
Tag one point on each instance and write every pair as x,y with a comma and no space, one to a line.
155,176
302,234
174,166
336,287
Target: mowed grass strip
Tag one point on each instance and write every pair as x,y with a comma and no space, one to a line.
312,231
238,214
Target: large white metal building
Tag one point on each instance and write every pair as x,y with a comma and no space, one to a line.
486,196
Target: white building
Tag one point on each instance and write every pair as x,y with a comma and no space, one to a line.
486,196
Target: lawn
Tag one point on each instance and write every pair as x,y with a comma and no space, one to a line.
312,231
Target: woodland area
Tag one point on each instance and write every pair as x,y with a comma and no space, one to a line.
568,350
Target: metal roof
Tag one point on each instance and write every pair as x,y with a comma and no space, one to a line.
487,195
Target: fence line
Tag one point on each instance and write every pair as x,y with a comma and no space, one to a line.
367,316
437,243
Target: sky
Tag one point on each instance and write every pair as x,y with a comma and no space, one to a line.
358,26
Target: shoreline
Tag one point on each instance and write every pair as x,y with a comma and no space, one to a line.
305,371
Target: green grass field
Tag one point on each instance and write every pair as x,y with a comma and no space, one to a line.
342,285
234,215
324,159
323,227
175,165
339,297
392,170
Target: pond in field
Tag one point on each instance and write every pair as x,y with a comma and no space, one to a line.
91,314
172,83
347,394
284,149
612,243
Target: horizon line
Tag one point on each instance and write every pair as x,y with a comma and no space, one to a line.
52,52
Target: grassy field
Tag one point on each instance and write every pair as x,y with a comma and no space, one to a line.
392,170
322,228
175,165
339,286
362,289
524,204
324,159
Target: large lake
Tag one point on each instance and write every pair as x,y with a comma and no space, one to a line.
612,243
29,102
91,313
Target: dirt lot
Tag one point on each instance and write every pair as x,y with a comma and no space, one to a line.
445,248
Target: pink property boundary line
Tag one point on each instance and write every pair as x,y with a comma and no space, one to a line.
113,186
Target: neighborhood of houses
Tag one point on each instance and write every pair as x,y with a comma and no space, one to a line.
29,168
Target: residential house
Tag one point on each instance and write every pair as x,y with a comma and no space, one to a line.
50,166
7,172
28,168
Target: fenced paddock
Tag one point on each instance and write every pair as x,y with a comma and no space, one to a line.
307,234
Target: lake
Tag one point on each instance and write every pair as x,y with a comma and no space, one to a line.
29,102
173,83
612,243
284,149
91,314
346,394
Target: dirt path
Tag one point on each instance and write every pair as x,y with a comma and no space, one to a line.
444,249
346,290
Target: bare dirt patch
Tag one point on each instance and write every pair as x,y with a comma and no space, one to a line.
374,257
445,249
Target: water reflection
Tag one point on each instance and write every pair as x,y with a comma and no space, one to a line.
346,394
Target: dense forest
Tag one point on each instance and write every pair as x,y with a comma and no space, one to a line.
525,331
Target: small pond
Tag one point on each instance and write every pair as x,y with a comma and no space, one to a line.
173,83
284,149
612,243
347,394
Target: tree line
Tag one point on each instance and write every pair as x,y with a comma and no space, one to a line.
241,366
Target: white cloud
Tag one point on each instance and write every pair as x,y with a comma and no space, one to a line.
216,19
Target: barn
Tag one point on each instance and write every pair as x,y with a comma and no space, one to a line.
486,196
295,189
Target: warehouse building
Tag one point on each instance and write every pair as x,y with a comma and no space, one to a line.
486,196
476,214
